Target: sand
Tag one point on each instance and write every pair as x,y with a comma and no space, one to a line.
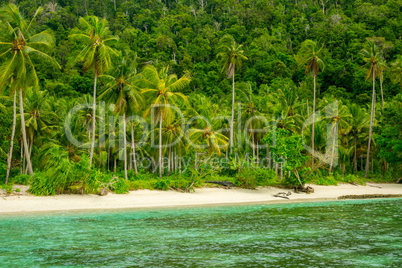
201,197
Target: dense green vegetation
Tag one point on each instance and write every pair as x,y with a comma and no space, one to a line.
242,78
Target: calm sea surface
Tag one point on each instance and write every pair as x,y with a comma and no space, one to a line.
359,233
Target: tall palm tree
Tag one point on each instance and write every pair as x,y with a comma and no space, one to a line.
18,42
97,55
337,116
372,58
231,56
162,90
308,56
358,122
125,95
397,70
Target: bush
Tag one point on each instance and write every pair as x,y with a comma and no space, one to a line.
41,185
23,179
246,179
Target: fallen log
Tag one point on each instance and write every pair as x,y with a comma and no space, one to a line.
376,186
223,183
281,196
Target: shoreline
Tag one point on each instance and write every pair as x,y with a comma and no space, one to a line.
202,197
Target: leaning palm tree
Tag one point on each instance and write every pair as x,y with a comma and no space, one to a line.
162,90
96,55
124,95
308,56
396,69
18,43
231,56
372,58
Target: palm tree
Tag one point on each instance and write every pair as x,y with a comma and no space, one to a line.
358,123
96,55
337,115
231,55
397,70
18,42
161,89
309,55
250,114
372,58
125,96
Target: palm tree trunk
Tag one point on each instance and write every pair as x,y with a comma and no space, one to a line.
355,155
252,136
160,146
10,155
371,127
180,166
233,102
22,158
133,148
93,122
108,158
169,161
312,132
125,146
258,154
24,135
382,94
29,155
333,150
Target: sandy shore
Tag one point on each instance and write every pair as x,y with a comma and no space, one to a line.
205,196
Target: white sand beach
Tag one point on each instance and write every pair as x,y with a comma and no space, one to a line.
24,203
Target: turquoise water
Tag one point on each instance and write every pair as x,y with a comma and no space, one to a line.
360,233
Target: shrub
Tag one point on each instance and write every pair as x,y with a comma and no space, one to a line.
246,179
23,179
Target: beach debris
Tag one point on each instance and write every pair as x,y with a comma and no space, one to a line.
283,195
227,184
399,180
376,186
307,190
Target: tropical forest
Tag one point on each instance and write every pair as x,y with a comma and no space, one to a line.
102,96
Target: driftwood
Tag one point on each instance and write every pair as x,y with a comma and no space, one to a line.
355,184
307,190
376,186
223,183
399,180
283,195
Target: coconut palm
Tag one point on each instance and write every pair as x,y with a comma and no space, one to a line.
162,91
97,55
125,96
338,116
231,56
18,43
358,122
308,56
396,69
251,114
372,58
